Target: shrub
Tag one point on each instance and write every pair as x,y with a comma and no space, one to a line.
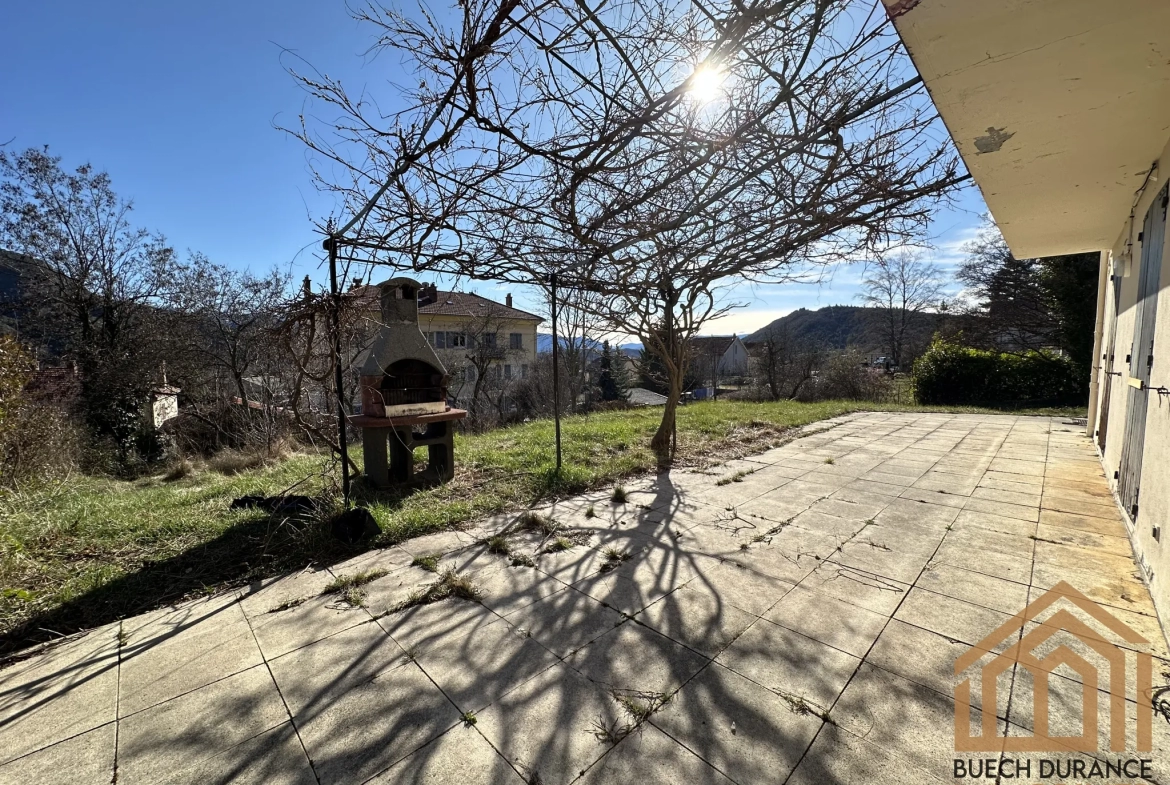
949,373
37,442
845,377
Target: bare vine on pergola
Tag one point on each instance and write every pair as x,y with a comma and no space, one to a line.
649,152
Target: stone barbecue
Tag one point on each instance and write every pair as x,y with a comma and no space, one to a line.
404,396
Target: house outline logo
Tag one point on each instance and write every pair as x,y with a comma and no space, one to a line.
1062,621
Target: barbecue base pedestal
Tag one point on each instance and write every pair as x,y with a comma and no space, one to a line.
388,445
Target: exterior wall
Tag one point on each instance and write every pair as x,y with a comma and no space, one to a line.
430,324
1154,500
163,407
735,360
461,389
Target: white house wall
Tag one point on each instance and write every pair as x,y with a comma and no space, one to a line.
1154,500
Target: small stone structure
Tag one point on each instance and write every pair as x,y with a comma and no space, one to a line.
404,396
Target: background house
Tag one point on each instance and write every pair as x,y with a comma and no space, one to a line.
719,355
1061,111
474,337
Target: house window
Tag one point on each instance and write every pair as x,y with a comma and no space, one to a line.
523,371
456,340
507,372
516,341
440,341
489,340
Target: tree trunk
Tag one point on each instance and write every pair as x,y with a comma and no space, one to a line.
662,437
241,388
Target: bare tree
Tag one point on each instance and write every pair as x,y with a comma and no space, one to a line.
785,364
650,153
228,317
579,330
94,279
476,357
901,286
304,340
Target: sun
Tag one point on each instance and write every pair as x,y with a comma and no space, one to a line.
706,84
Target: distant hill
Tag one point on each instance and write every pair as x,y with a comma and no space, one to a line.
842,327
544,345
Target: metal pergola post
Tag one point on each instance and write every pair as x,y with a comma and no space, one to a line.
552,279
330,245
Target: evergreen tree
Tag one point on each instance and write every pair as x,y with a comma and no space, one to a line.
611,376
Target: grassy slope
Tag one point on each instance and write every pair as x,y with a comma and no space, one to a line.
92,550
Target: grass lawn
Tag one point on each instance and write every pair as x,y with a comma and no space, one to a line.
91,550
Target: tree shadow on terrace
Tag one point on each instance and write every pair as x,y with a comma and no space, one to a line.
633,646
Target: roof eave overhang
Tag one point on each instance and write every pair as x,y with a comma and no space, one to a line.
1059,107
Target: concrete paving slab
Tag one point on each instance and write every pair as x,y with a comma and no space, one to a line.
183,732
159,663
515,587
79,760
967,519
478,659
282,630
864,490
857,507
905,719
633,658
850,628
838,756
1011,497
974,587
699,618
748,733
948,616
743,586
997,481
1008,566
548,727
564,621
1115,545
919,655
1120,588
789,663
274,757
461,755
1005,509
931,510
857,587
264,596
69,689
359,704
1086,523
649,755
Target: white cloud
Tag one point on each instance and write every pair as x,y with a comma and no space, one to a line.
743,321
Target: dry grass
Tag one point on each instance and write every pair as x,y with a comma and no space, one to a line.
233,462
613,558
499,544
449,584
358,579
179,470
429,562
535,522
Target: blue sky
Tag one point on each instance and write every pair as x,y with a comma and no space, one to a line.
178,101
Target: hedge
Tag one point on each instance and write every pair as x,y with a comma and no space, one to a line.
949,373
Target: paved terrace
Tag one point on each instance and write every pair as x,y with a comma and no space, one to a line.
837,577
